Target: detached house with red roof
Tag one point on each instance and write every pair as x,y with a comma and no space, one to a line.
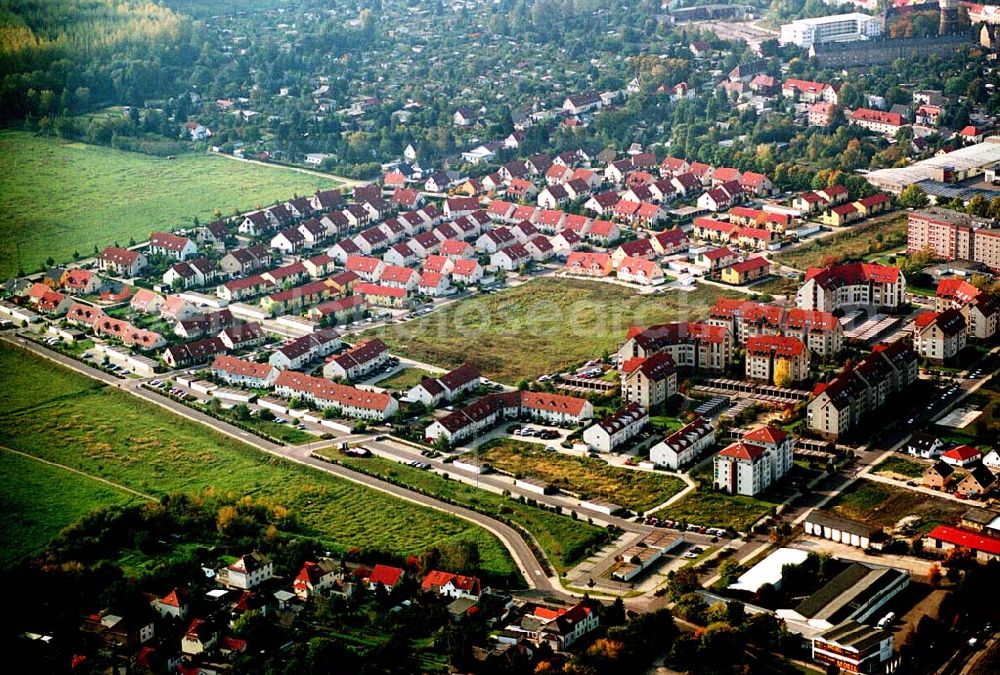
385,576
640,271
962,456
315,577
751,465
452,585
579,263
467,272
939,336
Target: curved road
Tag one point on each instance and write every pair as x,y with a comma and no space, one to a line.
512,540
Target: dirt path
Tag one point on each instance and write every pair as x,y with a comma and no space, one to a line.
348,182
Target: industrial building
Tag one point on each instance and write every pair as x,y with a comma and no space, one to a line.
951,167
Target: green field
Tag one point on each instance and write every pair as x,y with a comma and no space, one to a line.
32,512
717,509
404,379
901,466
543,326
58,197
709,508
563,539
111,434
882,505
853,242
633,489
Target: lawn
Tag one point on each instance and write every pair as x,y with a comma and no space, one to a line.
543,326
709,508
110,434
901,467
564,540
589,477
58,197
32,512
881,505
405,379
854,242
717,509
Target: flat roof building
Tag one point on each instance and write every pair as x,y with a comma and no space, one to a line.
837,28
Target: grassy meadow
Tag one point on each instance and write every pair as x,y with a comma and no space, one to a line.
853,242
110,434
881,505
543,326
633,489
57,198
37,501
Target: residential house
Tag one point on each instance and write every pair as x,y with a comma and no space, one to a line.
939,336
171,245
681,447
121,261
751,465
764,354
357,362
614,431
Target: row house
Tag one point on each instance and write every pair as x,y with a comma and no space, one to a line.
589,264
490,410
640,271
241,373
448,387
296,298
298,352
190,274
378,295
241,289
683,446
243,261
616,430
357,362
193,353
343,399
339,311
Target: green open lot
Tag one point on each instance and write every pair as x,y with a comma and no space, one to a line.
852,242
543,326
593,478
564,540
881,505
38,500
108,433
404,379
900,466
704,506
58,197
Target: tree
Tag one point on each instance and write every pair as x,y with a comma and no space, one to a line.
934,575
782,373
692,607
913,196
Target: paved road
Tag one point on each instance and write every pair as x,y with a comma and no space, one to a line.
519,550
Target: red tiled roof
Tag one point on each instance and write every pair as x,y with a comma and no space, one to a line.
966,539
741,450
